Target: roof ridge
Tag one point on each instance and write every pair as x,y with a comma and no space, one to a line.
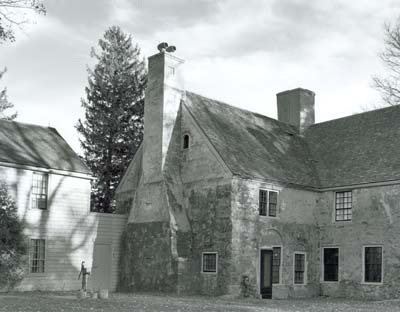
357,114
26,123
240,108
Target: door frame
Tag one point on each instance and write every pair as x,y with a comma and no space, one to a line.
270,249
110,254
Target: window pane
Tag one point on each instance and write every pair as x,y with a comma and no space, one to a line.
273,201
263,202
276,264
299,268
331,264
39,191
343,205
37,255
373,264
209,262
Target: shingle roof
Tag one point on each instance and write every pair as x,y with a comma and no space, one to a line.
38,146
358,149
253,145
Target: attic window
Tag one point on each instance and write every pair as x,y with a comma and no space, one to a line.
186,141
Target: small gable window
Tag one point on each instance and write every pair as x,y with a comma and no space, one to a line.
343,205
268,203
39,190
186,141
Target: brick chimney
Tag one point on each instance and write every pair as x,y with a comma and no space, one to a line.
296,107
163,96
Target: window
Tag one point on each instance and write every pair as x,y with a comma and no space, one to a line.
39,191
209,262
331,264
343,204
186,141
268,203
276,265
373,264
299,268
37,255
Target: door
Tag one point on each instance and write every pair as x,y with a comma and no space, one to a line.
101,268
266,274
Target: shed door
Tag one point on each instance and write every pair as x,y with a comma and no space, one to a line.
266,274
101,269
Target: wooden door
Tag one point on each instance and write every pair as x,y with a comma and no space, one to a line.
101,268
266,274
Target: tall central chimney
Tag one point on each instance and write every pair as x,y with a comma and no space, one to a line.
163,96
296,107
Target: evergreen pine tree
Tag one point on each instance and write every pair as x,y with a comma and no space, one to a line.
113,126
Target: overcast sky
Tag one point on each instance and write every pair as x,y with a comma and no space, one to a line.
240,52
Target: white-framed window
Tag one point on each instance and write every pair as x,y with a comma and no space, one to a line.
300,268
343,206
373,264
268,203
39,190
209,262
330,264
37,256
276,264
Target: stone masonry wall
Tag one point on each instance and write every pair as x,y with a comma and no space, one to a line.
293,230
375,221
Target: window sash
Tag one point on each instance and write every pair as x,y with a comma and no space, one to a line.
39,190
37,255
331,264
209,262
373,264
299,268
276,264
268,203
343,206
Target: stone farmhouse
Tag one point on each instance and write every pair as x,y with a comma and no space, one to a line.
51,186
224,201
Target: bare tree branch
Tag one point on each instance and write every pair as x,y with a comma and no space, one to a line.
13,14
389,86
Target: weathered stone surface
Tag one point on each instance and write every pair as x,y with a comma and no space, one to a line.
293,230
376,215
148,262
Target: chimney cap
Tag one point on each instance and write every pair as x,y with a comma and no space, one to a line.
163,46
297,90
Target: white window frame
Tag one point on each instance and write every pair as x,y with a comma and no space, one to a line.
305,267
30,273
216,262
363,265
334,206
323,265
277,203
47,175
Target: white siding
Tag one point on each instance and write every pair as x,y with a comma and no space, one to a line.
68,227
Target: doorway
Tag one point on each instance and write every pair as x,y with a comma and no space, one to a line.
266,274
101,268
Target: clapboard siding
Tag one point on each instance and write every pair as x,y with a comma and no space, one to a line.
69,228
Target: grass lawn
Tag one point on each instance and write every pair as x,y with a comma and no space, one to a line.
47,301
